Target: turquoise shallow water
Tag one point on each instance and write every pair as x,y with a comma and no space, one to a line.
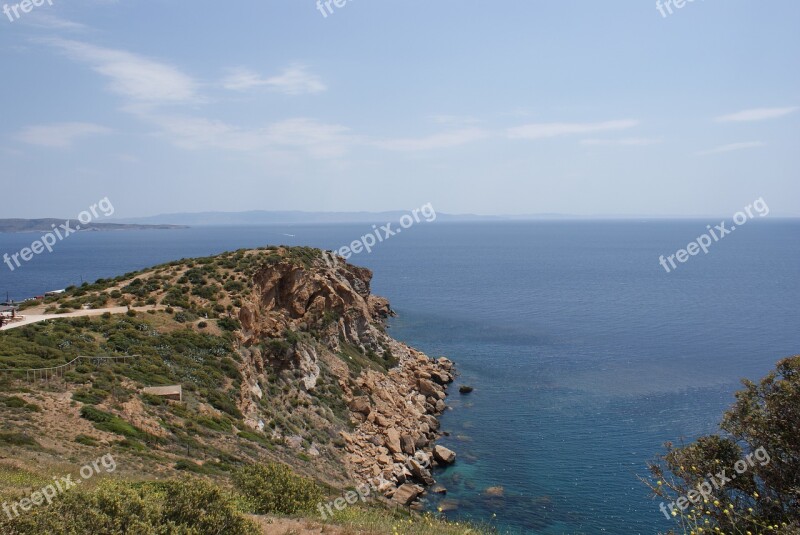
585,355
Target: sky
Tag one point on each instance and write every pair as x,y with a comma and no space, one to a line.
508,107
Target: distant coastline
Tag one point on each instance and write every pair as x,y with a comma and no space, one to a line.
13,226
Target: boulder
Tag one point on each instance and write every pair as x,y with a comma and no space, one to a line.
393,440
444,455
407,493
419,472
407,444
445,363
423,458
441,378
428,388
465,389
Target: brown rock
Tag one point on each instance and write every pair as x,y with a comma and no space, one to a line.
445,363
407,444
407,493
428,388
444,455
419,472
441,378
393,440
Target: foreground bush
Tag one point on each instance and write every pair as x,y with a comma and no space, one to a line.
762,439
275,489
186,507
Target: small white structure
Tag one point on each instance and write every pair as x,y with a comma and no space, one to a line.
174,393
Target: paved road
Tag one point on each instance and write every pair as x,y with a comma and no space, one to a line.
36,318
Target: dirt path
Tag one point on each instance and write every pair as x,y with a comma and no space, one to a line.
29,319
290,526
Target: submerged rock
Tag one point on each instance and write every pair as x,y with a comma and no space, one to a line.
438,489
448,505
495,492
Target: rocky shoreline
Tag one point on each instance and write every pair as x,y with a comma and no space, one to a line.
398,426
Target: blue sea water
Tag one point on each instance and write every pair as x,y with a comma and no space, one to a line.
585,355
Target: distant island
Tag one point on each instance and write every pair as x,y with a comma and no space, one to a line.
297,217
47,224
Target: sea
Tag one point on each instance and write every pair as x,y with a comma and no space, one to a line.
584,353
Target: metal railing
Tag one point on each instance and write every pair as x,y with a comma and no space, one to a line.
45,374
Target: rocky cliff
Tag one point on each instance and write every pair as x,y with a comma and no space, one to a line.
282,355
336,326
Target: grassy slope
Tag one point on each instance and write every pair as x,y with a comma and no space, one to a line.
99,409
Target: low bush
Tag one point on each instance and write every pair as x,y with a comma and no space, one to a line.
108,422
154,508
17,439
274,489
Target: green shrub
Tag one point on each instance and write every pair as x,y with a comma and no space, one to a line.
15,402
185,507
90,396
274,489
86,440
154,400
229,324
110,423
17,439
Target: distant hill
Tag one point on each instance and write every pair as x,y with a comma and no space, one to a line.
265,217
46,224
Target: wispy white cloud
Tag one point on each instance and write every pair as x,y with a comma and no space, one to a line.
133,76
318,140
548,130
757,114
454,120
295,80
732,147
59,135
624,142
46,20
442,140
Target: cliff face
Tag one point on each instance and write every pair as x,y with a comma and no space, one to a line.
329,297
393,393
282,355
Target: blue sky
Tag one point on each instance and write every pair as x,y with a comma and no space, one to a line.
579,107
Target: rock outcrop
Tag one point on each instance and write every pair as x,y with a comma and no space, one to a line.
306,316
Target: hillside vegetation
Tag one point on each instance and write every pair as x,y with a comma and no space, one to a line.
269,347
